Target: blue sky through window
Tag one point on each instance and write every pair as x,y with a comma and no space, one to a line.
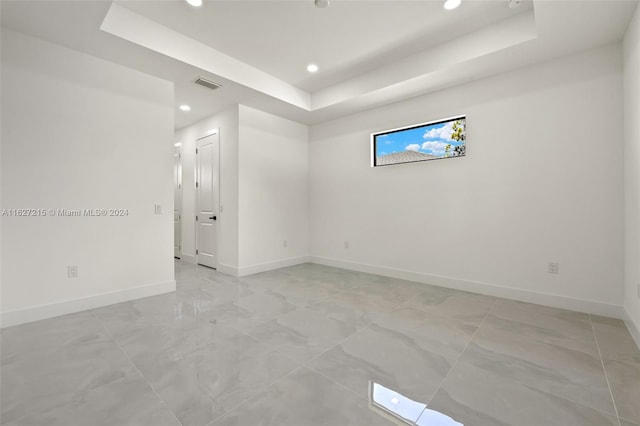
429,139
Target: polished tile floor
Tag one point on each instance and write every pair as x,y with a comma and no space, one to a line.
313,345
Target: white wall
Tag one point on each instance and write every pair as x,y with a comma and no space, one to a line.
631,47
226,122
274,200
542,181
82,133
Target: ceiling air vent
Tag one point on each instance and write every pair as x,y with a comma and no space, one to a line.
207,83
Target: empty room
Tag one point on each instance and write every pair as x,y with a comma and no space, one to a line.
320,212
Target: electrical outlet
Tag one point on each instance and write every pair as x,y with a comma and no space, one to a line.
346,244
553,268
72,271
285,243
158,209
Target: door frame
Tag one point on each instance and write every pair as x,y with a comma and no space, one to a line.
177,194
216,187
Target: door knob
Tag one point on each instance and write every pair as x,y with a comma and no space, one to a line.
213,218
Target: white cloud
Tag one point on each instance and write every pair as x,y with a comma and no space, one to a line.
413,147
443,132
434,148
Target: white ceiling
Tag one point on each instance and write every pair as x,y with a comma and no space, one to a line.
345,40
370,52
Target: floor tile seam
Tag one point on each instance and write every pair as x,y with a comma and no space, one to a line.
365,399
633,422
342,292
267,318
306,363
268,348
186,354
442,316
255,394
448,358
367,313
245,333
565,398
208,291
604,370
436,315
562,397
555,344
135,367
538,388
348,389
192,321
552,393
281,297
397,305
134,329
18,421
632,364
323,299
588,328
457,360
631,343
251,395
415,423
622,326
431,351
297,307
421,292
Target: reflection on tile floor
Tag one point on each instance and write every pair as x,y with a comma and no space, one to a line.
312,345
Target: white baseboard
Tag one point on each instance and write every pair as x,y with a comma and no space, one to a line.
633,329
556,301
260,267
35,313
229,270
268,266
189,258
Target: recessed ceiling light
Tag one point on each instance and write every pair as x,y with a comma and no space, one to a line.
312,68
321,4
177,144
451,4
185,108
195,3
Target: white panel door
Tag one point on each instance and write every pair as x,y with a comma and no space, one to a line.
207,200
177,203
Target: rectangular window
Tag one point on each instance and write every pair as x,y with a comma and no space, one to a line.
421,142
